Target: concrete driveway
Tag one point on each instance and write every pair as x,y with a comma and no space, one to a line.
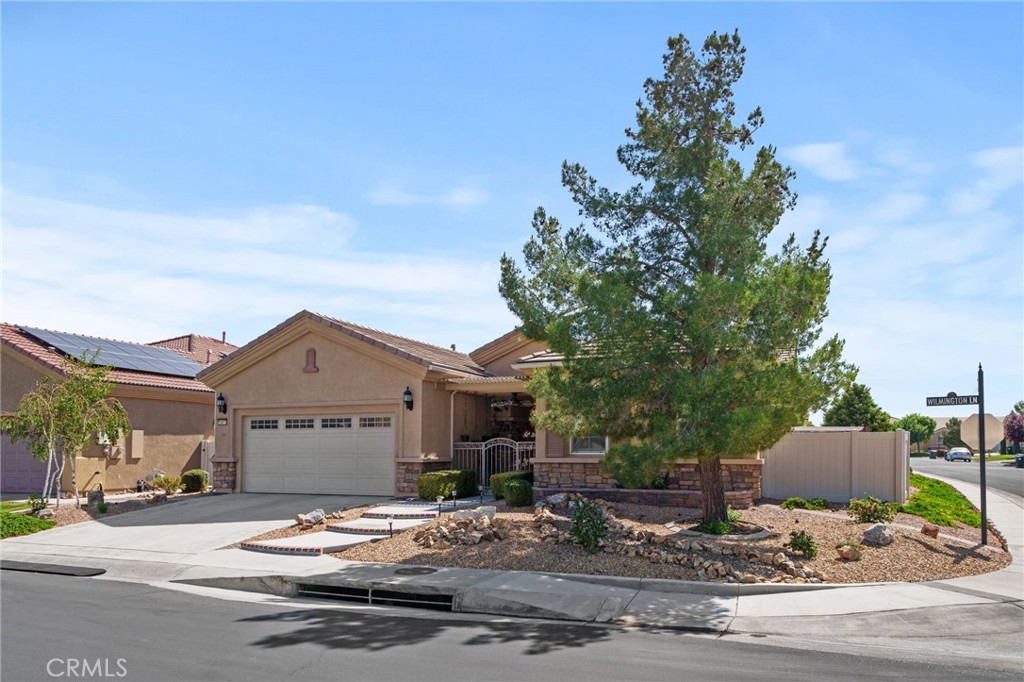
182,528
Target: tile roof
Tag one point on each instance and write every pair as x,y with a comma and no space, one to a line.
19,341
203,349
432,357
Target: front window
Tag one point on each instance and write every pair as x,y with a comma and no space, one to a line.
588,445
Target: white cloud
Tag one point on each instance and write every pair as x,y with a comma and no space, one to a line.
140,276
896,207
464,196
827,159
1000,170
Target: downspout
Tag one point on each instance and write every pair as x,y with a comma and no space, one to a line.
451,430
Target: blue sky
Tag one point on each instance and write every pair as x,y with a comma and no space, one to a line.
199,167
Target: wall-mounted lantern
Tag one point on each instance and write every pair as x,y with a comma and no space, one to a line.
407,398
222,404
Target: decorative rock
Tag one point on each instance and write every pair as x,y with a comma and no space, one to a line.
311,519
930,529
94,497
555,500
879,535
748,578
45,513
778,559
848,553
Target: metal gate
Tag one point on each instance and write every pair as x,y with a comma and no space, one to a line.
495,456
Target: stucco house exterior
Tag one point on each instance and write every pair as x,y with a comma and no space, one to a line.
171,414
320,405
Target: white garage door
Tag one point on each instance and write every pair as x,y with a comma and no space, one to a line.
340,454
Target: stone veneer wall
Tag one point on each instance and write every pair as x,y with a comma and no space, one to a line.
225,475
406,474
742,479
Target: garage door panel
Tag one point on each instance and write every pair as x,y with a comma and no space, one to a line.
351,455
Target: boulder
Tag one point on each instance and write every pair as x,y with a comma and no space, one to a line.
848,553
45,513
930,529
556,499
311,519
879,535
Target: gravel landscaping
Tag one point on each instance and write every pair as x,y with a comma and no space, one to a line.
651,542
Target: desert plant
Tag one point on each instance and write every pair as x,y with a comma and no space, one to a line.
850,543
801,503
732,514
588,526
873,510
803,543
518,493
434,483
168,483
101,507
36,503
194,481
497,481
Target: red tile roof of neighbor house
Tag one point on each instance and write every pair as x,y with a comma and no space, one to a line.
203,349
27,345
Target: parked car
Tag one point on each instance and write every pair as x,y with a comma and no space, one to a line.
936,452
959,453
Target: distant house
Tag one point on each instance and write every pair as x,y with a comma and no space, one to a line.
171,413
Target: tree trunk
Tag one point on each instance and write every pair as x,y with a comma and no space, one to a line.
74,479
49,472
58,476
711,488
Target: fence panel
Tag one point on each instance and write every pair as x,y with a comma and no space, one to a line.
837,465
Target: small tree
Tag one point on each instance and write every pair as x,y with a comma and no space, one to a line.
920,427
63,415
856,407
951,438
1013,429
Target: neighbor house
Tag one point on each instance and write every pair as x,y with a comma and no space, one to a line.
320,405
171,413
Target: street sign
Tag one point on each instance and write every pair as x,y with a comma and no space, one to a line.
969,431
951,398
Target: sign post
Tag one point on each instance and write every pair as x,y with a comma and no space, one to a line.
952,398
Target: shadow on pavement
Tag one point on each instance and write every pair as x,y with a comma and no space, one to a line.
351,630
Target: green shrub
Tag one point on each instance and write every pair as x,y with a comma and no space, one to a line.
36,502
194,481
872,510
168,483
587,526
850,543
101,507
518,493
434,483
801,503
13,525
803,543
732,514
497,481
714,527
817,503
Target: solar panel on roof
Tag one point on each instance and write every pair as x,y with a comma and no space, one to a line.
120,354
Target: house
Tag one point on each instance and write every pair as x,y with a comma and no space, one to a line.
320,405
171,413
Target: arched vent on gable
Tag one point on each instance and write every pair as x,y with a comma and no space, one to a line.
310,361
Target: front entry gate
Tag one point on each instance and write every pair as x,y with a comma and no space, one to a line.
495,456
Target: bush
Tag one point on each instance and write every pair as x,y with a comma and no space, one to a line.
434,483
36,502
101,507
732,514
801,503
803,543
518,493
13,525
587,526
168,483
194,481
714,527
872,510
497,481
850,543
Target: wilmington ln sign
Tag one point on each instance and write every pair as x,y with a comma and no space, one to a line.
952,398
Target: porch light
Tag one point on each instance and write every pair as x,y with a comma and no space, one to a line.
391,530
222,404
440,499
407,398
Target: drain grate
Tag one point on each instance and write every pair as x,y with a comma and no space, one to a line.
362,595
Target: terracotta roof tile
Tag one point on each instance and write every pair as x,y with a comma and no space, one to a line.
17,340
203,349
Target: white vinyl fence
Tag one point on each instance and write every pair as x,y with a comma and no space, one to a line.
838,466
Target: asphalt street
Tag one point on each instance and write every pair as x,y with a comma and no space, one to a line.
132,631
998,475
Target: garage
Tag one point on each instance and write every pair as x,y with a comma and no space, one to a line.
349,454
